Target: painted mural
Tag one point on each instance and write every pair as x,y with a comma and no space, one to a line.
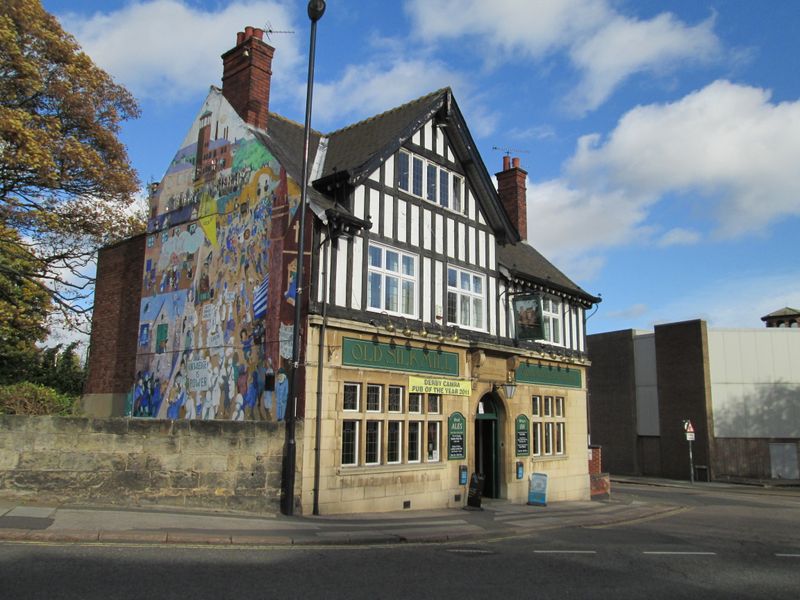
215,323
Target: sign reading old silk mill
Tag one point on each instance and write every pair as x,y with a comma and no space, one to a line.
360,353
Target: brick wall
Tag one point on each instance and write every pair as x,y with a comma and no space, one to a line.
115,320
212,464
612,400
684,392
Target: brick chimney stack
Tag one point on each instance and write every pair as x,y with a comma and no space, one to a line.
246,76
511,189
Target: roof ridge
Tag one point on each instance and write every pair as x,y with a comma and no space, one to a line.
389,111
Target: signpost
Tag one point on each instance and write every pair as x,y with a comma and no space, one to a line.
689,429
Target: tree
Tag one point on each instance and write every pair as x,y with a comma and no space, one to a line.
66,185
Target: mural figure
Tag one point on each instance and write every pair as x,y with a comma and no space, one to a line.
282,394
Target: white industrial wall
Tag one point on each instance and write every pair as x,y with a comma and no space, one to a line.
755,382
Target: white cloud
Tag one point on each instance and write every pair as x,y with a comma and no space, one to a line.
604,46
626,46
727,143
678,236
170,50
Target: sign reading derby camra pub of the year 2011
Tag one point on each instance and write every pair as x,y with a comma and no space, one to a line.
436,385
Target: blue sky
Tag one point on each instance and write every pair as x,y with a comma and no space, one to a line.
661,139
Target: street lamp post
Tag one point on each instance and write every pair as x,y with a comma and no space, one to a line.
316,8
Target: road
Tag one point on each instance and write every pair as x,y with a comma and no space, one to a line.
723,544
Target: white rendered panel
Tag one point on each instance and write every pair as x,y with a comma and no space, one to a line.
438,281
342,275
569,310
401,220
358,202
581,333
325,267
462,254
482,248
498,322
471,245
428,136
374,209
388,172
427,289
451,238
426,228
439,142
492,247
480,218
388,216
416,138
470,200
355,273
438,234
450,156
414,225
375,175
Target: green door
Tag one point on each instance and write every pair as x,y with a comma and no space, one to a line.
487,451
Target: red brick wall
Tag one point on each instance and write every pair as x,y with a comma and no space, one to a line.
115,321
246,77
595,460
511,189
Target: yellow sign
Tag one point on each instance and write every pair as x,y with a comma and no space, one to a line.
435,385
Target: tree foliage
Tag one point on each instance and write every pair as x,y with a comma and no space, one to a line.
66,185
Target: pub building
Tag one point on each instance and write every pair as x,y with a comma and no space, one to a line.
436,342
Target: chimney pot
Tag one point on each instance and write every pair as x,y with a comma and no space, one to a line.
515,162
239,37
246,75
259,33
506,162
248,32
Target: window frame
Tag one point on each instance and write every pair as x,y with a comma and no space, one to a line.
420,402
356,423
357,386
552,320
399,442
424,179
379,387
399,277
418,425
438,408
437,425
472,297
378,442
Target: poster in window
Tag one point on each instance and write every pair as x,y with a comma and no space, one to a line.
528,317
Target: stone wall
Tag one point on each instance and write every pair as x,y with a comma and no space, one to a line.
210,464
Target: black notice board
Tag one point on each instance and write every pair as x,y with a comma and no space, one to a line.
475,491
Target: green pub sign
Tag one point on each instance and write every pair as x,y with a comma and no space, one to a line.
523,431
561,376
394,357
456,430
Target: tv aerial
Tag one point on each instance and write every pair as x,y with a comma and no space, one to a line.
269,31
508,151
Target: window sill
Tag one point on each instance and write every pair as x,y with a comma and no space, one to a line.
388,469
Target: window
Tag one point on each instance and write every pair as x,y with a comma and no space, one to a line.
439,185
395,398
548,425
414,441
551,320
417,181
394,442
352,391
548,438
349,442
434,404
377,432
403,170
372,443
431,180
537,438
464,298
392,281
433,441
374,393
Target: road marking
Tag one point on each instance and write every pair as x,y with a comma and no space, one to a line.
565,551
469,551
787,555
668,553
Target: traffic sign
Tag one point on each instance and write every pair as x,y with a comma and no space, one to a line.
688,427
689,436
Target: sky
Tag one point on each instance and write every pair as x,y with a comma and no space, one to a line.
661,139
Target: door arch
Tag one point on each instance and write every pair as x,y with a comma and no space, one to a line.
488,445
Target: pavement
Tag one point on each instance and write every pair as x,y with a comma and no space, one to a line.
498,519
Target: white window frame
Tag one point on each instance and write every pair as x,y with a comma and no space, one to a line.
420,426
378,440
558,406
537,438
357,387
548,438
438,409
401,391
399,442
355,442
427,169
552,321
386,274
434,454
380,398
536,406
561,434
548,406
420,398
472,297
